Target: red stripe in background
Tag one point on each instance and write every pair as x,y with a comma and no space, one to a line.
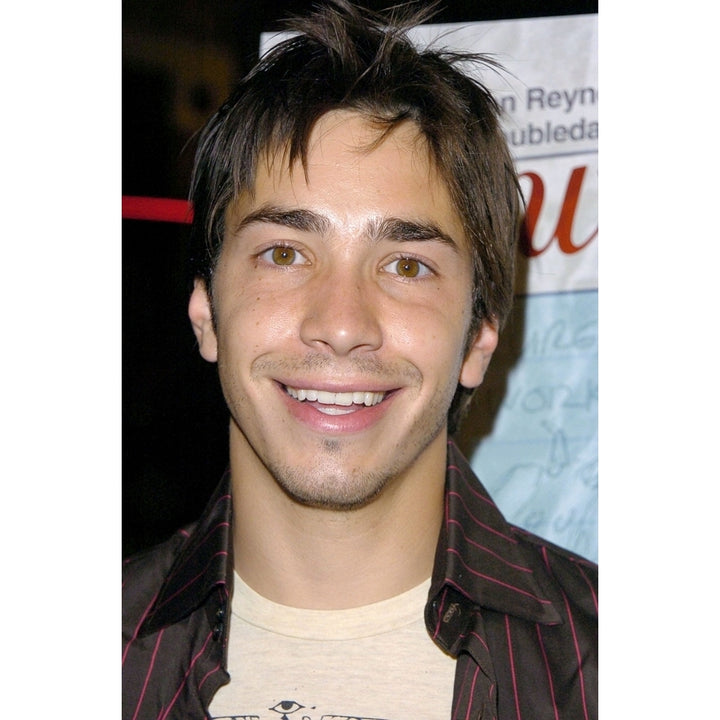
160,209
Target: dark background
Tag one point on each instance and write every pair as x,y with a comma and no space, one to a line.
180,60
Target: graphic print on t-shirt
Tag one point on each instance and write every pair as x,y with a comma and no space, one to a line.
293,710
290,663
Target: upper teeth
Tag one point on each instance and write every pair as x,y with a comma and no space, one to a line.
341,398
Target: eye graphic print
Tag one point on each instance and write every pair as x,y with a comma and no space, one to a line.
286,707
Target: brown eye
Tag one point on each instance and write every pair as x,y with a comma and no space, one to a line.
283,255
408,267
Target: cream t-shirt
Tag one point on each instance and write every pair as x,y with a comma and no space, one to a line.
376,662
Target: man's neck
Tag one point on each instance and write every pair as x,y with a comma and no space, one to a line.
317,558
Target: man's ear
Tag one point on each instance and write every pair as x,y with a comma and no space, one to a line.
479,354
200,312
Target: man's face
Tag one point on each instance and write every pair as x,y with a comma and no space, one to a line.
342,303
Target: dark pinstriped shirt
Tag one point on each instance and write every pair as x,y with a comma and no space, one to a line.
518,613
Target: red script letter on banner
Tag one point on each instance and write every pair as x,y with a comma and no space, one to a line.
563,229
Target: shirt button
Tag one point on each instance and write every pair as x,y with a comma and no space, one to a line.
219,624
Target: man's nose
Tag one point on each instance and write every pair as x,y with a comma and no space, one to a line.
341,314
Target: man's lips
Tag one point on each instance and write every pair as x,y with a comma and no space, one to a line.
368,398
335,410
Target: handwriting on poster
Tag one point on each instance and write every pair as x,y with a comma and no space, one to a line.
541,466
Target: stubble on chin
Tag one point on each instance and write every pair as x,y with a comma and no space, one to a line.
328,486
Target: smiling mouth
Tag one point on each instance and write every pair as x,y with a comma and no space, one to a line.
336,403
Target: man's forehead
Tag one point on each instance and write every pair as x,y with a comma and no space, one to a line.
339,144
350,131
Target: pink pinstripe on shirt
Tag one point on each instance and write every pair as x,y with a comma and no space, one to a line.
549,674
462,687
472,691
200,544
163,715
512,667
482,524
578,654
208,674
589,584
480,639
137,628
472,542
440,614
542,601
471,489
193,580
148,673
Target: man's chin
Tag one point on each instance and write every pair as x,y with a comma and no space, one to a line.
336,491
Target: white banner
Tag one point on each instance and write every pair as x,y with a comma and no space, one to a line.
550,98
532,433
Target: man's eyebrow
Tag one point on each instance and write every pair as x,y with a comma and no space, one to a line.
297,219
396,229
402,230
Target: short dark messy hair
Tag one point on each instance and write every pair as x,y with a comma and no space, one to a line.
344,57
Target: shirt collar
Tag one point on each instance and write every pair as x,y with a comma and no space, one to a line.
203,563
480,559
